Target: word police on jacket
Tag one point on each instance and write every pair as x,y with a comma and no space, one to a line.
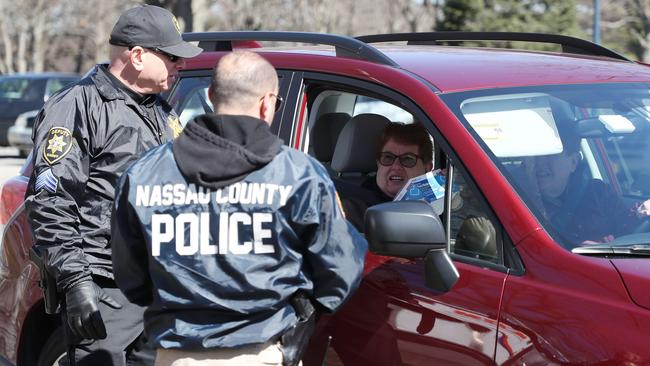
190,232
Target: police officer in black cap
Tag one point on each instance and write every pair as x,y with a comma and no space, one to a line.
84,138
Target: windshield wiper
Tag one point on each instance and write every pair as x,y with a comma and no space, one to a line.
637,250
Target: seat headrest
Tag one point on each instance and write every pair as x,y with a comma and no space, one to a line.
358,142
325,133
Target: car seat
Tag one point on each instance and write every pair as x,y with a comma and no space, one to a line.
354,155
324,135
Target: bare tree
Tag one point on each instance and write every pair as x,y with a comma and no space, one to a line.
70,35
240,14
350,17
82,39
639,28
624,25
24,34
201,14
412,16
39,37
182,9
7,65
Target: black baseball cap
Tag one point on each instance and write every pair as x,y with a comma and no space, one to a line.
151,26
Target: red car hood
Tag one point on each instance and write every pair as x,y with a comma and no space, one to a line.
635,273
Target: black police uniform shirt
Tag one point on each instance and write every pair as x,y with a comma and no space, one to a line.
85,137
215,231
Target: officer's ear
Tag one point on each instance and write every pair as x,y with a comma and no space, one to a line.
211,94
135,57
215,104
266,107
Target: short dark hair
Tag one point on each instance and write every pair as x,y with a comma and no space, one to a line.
409,134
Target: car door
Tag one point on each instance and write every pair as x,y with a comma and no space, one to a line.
394,319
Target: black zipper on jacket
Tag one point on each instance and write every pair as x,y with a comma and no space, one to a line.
153,126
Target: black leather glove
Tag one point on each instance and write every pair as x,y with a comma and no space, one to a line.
82,310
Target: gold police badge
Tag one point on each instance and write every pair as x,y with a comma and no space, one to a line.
59,142
175,125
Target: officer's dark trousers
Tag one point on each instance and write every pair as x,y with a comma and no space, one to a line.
124,344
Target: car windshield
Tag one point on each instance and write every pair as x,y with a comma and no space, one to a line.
577,155
20,88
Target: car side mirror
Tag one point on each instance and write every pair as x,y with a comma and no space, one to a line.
411,229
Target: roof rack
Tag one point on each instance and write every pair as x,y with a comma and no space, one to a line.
569,44
345,46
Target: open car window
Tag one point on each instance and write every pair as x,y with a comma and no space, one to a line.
344,131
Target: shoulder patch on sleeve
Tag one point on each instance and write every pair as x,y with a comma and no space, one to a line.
57,144
46,180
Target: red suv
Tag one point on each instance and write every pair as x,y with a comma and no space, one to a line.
540,255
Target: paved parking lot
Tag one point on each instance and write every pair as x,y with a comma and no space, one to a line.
10,163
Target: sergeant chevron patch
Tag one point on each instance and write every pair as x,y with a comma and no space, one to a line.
46,180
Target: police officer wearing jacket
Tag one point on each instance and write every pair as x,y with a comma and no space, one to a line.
217,231
84,139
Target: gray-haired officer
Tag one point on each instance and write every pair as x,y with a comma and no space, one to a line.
84,138
230,237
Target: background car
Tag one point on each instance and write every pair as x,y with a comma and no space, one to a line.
20,93
526,293
20,134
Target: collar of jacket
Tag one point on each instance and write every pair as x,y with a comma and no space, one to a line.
112,88
217,150
370,184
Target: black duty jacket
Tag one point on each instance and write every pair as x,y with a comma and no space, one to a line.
217,230
84,138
